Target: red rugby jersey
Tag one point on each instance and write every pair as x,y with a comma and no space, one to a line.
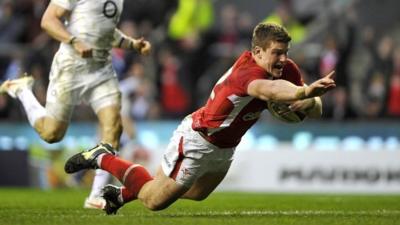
230,111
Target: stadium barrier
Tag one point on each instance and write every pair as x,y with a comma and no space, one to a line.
14,171
275,157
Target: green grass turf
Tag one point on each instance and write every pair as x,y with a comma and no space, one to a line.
36,207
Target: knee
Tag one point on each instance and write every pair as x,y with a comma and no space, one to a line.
51,130
155,206
51,137
199,197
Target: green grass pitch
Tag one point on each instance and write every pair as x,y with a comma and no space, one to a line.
36,207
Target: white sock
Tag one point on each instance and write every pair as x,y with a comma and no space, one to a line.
34,110
99,159
100,179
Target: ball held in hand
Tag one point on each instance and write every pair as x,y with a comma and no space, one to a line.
282,112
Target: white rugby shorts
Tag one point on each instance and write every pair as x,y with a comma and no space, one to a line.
189,156
75,80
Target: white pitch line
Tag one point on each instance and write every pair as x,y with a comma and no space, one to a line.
290,213
376,213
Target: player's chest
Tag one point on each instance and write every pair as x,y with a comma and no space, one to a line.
110,9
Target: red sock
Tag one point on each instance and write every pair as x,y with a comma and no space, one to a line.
132,176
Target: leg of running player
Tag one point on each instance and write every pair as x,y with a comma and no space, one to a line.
110,131
110,125
107,109
50,129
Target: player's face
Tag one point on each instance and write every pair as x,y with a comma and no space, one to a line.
274,58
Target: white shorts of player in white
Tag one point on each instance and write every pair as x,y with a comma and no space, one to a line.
189,155
74,80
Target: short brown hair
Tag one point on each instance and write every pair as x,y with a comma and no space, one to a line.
264,33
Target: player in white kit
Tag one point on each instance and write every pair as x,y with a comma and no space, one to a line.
81,71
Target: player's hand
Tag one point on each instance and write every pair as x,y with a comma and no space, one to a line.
302,105
84,50
321,86
142,46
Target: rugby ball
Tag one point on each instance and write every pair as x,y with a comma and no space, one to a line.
282,112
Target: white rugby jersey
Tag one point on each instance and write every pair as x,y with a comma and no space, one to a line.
93,21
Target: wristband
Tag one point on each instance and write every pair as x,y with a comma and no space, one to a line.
301,93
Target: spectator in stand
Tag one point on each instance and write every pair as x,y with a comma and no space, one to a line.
393,104
336,56
285,16
377,82
137,92
11,25
174,98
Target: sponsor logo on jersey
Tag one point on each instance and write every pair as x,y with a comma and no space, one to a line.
110,9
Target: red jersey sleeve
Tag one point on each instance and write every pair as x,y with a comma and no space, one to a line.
248,75
246,70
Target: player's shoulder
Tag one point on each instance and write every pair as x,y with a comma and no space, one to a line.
291,68
291,72
246,65
291,64
246,70
65,4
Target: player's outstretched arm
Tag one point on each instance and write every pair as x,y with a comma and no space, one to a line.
284,91
121,40
321,86
52,23
312,107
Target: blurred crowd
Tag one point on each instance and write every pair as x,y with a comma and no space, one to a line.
195,42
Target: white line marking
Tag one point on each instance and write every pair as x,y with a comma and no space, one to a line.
292,213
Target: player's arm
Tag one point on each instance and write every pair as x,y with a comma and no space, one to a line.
52,23
121,40
312,107
284,91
